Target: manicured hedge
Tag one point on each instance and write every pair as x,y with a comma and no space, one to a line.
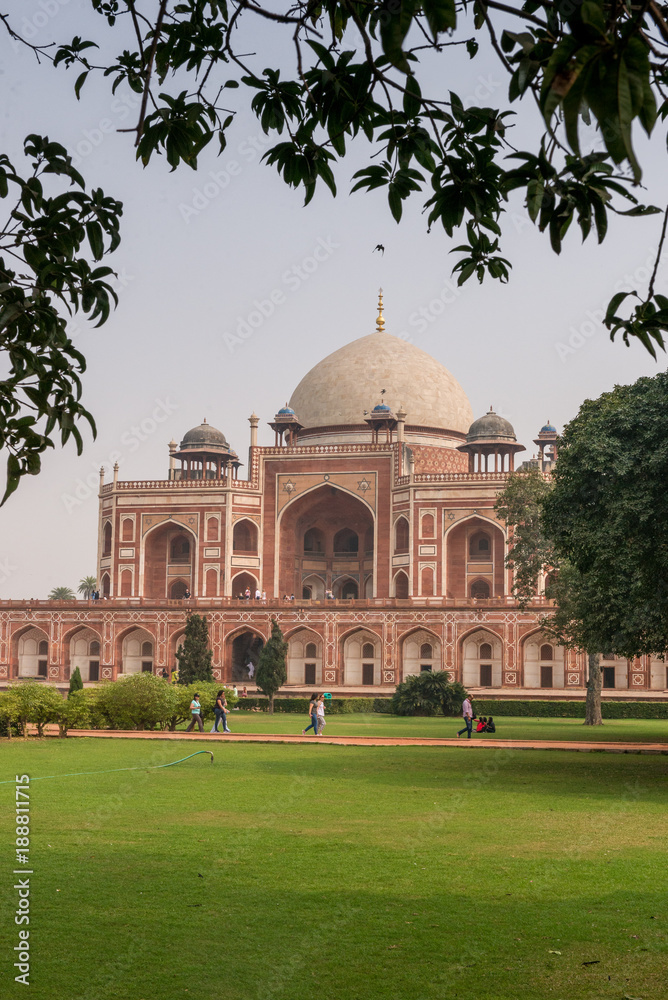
333,706
529,709
572,709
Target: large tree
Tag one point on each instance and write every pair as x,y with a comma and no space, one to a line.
194,655
319,76
271,670
533,559
600,523
607,514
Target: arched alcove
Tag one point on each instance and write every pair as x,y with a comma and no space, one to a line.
482,659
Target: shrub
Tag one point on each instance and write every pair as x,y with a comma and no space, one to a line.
31,702
74,713
571,709
141,701
428,693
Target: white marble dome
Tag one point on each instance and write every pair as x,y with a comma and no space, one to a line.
338,390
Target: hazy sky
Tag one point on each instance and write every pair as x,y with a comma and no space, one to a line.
199,250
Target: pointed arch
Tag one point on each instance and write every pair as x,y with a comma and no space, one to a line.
31,652
304,660
244,581
543,661
359,667
421,651
245,537
460,571
135,657
400,586
402,533
479,669
82,648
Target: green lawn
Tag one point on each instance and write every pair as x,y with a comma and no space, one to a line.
346,873
652,730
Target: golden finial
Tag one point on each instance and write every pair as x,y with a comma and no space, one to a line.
380,322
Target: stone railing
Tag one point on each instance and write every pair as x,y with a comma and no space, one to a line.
274,602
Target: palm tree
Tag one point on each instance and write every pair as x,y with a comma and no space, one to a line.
62,594
87,584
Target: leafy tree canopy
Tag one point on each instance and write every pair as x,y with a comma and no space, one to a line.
607,515
319,76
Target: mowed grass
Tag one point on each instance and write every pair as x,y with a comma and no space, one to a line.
347,873
623,730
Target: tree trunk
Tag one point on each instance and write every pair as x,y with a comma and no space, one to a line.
271,705
594,684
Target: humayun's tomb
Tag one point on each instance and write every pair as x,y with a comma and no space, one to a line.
374,508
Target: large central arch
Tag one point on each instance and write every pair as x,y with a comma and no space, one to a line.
328,533
169,561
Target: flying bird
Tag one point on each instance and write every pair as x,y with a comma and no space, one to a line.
379,247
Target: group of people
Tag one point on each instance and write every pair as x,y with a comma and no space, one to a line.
316,711
484,724
260,595
220,709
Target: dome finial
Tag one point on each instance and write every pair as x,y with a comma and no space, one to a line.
380,322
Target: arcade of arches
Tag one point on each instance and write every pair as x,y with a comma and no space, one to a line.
355,654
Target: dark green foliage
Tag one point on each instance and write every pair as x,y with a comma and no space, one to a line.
76,684
271,669
333,706
142,701
380,71
52,222
428,693
520,506
571,709
194,656
607,515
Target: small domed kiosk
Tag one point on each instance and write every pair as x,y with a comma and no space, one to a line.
491,435
203,453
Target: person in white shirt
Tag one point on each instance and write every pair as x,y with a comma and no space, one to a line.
321,714
467,715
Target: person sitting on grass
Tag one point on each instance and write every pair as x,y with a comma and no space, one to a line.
482,725
490,727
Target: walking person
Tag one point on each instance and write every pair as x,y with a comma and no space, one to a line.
467,715
320,712
221,713
196,714
313,714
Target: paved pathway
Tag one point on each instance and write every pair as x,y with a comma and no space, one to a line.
381,741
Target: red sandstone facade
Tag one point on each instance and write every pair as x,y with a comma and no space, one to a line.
380,527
